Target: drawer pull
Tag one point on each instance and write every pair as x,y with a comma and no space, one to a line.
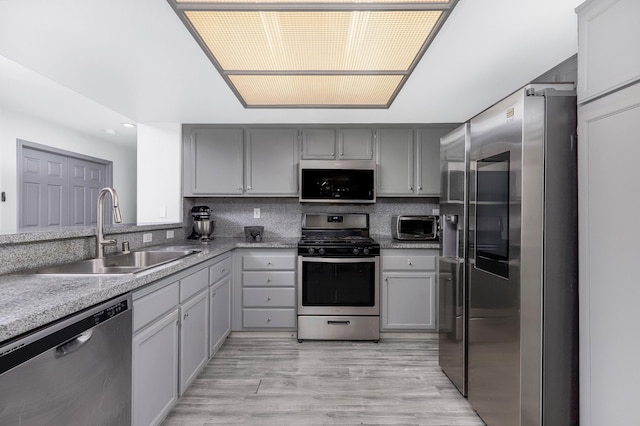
268,319
186,315
409,262
223,270
338,322
268,299
268,280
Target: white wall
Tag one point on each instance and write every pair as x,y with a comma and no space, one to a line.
159,173
15,126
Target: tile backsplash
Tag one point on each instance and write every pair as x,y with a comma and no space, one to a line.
281,217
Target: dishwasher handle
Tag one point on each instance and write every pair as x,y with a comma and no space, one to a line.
74,344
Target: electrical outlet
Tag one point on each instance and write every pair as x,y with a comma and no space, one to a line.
170,234
147,238
256,213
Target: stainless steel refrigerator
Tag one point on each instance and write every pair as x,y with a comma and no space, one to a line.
522,259
452,290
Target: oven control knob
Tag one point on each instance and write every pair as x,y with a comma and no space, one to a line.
321,251
366,250
356,251
311,250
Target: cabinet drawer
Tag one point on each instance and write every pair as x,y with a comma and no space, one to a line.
154,305
267,262
194,283
220,270
269,297
269,318
269,279
409,263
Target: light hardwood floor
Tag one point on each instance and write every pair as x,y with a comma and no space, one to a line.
271,379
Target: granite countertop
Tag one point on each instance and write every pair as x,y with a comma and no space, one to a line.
387,242
31,301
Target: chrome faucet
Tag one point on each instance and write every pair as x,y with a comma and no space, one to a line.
100,241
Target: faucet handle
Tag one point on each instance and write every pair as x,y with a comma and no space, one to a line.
109,242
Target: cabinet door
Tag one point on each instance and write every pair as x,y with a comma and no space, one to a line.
155,371
194,331
319,144
428,158
608,34
608,177
395,158
408,301
355,144
272,162
220,314
213,162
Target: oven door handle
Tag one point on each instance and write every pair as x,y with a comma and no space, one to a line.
339,259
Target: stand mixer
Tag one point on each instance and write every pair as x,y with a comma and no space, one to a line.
203,225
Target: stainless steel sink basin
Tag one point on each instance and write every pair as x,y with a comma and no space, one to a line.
128,263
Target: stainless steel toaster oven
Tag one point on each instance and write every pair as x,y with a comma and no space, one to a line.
414,228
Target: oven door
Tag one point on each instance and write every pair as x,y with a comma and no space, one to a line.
338,285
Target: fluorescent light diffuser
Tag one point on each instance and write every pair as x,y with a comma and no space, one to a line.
315,53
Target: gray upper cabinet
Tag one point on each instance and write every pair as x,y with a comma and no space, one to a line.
319,144
222,161
428,157
355,144
329,143
395,160
213,161
272,162
409,160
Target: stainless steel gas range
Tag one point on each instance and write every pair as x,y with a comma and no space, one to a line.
338,278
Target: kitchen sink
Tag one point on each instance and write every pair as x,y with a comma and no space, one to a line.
123,263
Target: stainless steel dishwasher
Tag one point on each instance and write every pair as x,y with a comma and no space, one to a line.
76,371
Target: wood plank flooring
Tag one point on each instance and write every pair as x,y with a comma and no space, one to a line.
271,379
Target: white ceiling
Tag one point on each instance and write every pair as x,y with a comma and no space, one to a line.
92,64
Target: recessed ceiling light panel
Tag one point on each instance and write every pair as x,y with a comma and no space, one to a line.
314,53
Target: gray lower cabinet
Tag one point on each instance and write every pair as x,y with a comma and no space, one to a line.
219,302
172,326
408,160
266,292
408,289
155,355
194,330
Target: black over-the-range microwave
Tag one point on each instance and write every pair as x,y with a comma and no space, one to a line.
352,181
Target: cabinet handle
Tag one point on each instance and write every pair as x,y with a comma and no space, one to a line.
223,270
269,263
268,280
186,315
411,188
268,319
341,154
333,153
420,188
409,262
214,293
249,188
268,299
